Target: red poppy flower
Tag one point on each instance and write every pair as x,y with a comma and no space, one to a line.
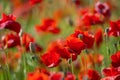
79,41
11,40
98,37
35,1
26,39
75,44
114,29
87,38
111,71
37,76
116,77
48,25
8,22
93,75
70,76
89,19
108,78
60,47
51,59
43,70
56,76
103,9
116,59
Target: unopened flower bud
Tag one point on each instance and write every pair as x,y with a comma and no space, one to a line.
70,21
32,46
20,33
106,30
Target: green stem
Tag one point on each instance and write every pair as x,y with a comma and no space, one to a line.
107,48
24,66
71,65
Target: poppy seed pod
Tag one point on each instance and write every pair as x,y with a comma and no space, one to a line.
80,36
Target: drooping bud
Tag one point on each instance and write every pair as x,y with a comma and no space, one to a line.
116,46
106,30
20,33
70,21
32,47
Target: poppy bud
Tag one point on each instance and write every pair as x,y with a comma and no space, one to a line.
32,47
20,33
106,30
70,21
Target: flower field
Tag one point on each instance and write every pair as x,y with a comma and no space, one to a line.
59,40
